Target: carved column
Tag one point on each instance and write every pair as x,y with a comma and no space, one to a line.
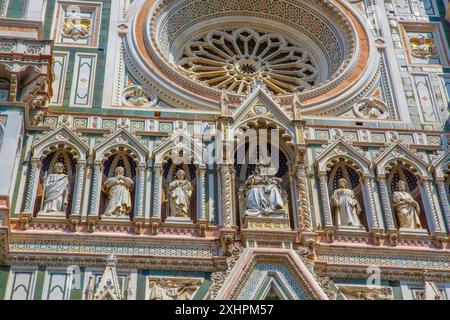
372,214
303,197
96,188
139,201
325,199
202,186
385,199
429,199
33,181
157,176
442,190
227,189
78,191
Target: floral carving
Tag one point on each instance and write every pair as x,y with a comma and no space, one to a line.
371,109
237,59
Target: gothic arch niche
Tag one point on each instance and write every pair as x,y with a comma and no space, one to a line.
67,158
169,175
344,168
120,157
246,158
397,170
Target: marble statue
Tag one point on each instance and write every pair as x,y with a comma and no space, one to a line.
56,191
118,191
264,194
347,208
406,208
169,289
180,195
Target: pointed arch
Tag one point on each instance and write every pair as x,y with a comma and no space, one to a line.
399,154
121,141
343,152
257,269
61,138
259,111
182,145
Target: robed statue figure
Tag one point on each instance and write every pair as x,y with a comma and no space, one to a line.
118,191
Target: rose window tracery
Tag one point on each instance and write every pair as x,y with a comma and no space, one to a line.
235,59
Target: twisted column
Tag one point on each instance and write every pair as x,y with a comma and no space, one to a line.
303,197
33,181
140,190
325,199
96,188
202,181
429,198
157,176
386,203
444,199
76,203
227,203
372,215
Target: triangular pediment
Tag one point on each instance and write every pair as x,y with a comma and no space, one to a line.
260,104
121,137
61,134
260,270
342,148
441,163
398,150
182,140
108,287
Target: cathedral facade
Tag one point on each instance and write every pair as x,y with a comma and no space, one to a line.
207,149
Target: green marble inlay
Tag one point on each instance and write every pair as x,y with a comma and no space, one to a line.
16,8
4,273
39,284
77,294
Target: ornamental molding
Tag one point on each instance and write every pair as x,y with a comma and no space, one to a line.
403,259
342,150
398,153
121,141
237,284
61,138
355,292
259,107
108,288
441,163
168,247
179,140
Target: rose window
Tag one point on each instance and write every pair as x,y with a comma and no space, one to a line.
235,59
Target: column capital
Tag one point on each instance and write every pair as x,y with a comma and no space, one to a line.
81,163
36,161
141,167
322,174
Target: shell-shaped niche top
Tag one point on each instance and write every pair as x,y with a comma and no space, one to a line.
192,50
